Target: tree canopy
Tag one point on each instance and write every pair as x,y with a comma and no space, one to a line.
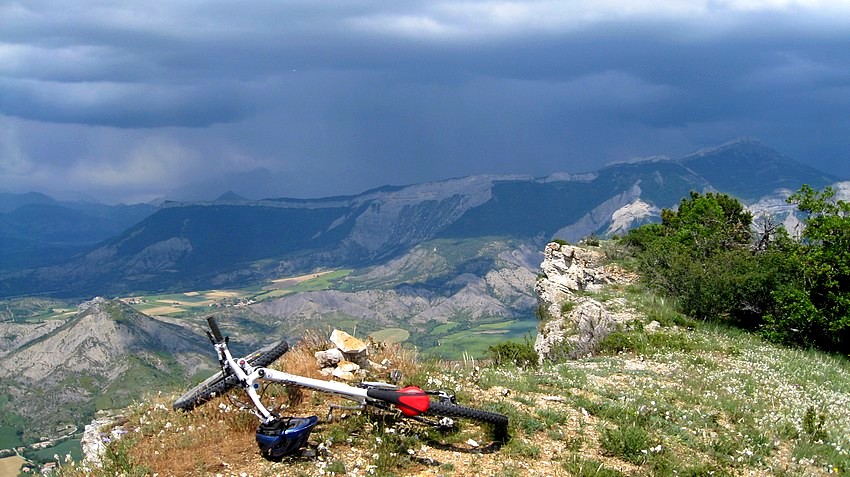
794,290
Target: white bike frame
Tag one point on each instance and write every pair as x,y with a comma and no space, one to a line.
433,408
250,378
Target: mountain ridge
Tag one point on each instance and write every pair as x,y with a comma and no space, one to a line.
230,241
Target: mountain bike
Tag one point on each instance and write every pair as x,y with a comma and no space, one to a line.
279,436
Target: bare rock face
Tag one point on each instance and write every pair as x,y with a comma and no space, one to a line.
568,269
576,325
579,331
105,427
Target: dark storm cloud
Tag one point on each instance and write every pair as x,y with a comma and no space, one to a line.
342,96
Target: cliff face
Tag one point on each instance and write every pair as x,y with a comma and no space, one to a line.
574,323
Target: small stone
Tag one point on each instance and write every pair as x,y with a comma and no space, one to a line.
376,367
344,375
328,358
347,366
472,442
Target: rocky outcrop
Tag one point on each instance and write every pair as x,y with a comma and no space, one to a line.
348,360
573,324
105,427
632,215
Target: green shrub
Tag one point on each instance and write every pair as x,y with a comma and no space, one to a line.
619,341
591,241
542,313
630,443
519,354
813,424
704,256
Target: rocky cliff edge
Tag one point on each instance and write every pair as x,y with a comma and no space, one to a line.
573,323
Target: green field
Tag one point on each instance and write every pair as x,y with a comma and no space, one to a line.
70,446
475,339
323,282
200,301
391,335
9,438
444,328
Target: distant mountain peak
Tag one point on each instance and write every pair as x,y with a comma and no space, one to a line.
750,169
230,196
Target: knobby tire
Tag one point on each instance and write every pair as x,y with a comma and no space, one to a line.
222,382
437,409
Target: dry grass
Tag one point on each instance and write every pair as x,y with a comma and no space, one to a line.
222,294
211,439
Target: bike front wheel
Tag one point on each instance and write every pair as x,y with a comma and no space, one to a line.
221,382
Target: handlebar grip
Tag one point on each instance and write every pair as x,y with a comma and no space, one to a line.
215,331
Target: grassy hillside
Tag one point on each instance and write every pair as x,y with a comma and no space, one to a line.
687,399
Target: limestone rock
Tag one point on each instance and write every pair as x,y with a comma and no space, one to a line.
328,358
576,330
377,367
353,349
580,331
344,375
347,343
107,425
347,366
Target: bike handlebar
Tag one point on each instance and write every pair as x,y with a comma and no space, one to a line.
215,331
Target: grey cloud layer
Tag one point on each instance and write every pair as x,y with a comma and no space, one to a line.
366,93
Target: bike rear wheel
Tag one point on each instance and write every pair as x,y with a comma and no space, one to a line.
222,382
447,409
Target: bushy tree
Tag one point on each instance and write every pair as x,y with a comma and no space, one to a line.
815,309
518,354
708,224
794,291
701,254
